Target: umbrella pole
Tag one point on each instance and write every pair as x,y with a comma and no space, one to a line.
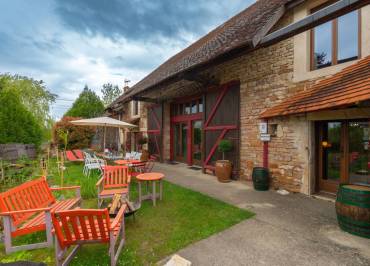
105,130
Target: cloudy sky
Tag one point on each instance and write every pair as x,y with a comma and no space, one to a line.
70,43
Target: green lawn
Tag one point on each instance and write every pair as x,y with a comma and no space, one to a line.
181,218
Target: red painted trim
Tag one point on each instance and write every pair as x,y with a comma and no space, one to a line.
215,128
215,107
186,118
212,151
172,155
189,143
265,154
157,145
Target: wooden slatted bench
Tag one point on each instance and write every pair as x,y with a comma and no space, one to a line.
26,209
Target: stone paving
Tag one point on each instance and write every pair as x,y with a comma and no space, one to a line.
287,230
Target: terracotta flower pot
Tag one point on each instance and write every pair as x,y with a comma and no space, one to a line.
144,155
223,170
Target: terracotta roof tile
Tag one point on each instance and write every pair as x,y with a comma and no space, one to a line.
237,32
349,86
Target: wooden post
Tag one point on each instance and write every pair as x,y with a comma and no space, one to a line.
61,165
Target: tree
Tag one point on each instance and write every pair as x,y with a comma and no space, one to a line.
70,136
34,96
17,124
110,93
87,105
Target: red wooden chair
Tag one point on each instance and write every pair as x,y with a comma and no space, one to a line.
26,209
115,180
79,154
146,167
72,158
79,227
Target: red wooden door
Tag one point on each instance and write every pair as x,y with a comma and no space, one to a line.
222,122
155,117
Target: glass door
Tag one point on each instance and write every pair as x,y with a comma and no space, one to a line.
197,142
330,156
180,141
344,153
359,152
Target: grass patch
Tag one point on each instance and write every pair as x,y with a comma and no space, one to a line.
181,218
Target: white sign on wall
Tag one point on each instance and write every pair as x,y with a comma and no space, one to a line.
263,127
265,137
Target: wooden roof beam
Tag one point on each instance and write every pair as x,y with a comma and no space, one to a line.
326,14
145,99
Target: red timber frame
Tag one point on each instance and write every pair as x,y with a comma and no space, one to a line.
223,129
156,131
188,120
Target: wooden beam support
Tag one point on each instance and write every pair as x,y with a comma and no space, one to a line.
144,99
326,14
203,79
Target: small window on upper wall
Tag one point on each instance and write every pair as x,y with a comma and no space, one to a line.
336,41
135,108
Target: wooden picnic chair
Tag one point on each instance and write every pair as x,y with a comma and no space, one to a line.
26,209
72,158
145,167
81,226
115,180
79,154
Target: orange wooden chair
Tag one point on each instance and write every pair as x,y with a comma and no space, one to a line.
79,227
26,209
79,154
72,158
115,180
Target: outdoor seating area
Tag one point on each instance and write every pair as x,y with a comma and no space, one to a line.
64,221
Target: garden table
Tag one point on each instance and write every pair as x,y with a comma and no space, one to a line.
128,162
154,178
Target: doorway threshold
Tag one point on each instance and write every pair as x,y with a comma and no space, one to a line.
325,196
195,168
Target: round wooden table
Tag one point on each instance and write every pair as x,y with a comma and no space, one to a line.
154,178
128,162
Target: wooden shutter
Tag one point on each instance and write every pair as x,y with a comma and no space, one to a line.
222,122
155,118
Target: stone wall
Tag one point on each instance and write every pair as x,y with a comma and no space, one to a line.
266,78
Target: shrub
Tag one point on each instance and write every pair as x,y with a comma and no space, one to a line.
224,146
17,124
79,137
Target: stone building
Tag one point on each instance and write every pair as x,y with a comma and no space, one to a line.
133,112
236,82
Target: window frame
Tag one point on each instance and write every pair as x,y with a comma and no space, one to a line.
133,108
334,35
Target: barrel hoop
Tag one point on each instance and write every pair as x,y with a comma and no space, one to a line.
353,198
347,225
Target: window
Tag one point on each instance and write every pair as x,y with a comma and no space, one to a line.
336,41
135,108
187,108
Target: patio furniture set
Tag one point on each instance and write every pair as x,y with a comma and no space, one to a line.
32,207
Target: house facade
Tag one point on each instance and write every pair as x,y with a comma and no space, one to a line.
228,85
133,112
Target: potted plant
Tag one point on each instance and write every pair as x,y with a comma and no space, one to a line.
224,167
144,153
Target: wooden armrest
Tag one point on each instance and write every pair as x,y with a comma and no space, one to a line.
119,217
25,211
64,188
99,181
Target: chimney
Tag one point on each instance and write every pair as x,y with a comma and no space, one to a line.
126,87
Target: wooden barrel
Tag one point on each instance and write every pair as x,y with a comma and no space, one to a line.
353,209
261,178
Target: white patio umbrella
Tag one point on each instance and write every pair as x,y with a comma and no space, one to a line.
103,122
